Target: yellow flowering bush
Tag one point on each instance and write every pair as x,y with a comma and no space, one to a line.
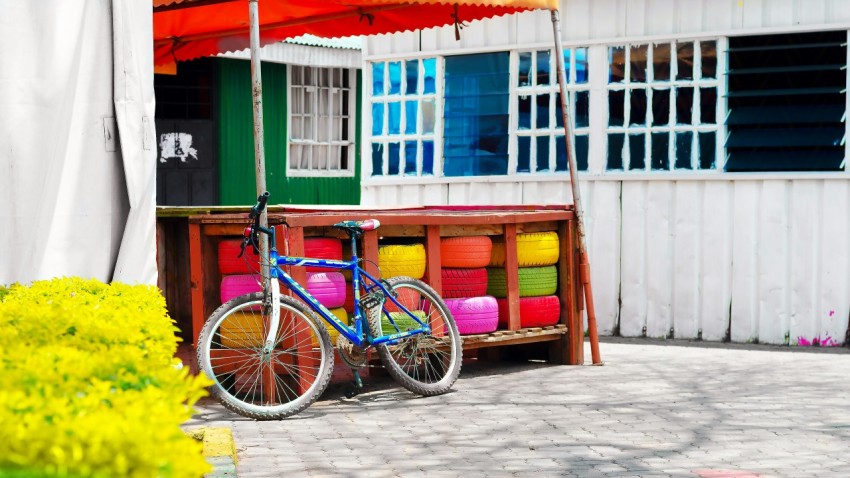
88,384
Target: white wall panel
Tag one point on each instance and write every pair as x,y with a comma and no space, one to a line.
773,291
633,287
659,260
745,219
803,252
602,213
716,259
687,241
833,310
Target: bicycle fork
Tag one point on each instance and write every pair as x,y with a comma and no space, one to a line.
274,323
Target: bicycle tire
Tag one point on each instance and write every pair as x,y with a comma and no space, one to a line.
419,363
230,353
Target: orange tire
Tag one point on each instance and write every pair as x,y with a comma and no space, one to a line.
468,252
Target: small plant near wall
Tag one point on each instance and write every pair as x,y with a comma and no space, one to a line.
817,341
89,383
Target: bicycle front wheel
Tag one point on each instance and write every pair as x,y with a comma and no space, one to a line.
426,364
265,385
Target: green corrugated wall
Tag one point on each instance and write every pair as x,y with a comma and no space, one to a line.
237,185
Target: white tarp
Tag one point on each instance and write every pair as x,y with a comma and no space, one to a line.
75,200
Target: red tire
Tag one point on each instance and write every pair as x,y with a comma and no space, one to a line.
475,315
236,285
229,262
533,311
327,287
459,283
349,298
465,252
322,248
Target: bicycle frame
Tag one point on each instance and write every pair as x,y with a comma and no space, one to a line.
358,334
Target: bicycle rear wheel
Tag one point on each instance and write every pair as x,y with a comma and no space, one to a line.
265,386
426,364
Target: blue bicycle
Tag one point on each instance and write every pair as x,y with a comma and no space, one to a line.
270,356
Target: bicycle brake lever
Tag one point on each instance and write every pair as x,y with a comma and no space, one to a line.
242,248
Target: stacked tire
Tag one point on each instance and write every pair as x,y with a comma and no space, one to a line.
464,278
537,254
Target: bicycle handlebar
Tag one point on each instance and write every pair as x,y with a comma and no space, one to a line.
261,204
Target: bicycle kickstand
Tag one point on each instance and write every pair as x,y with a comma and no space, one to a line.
356,386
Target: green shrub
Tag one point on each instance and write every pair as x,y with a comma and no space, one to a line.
88,384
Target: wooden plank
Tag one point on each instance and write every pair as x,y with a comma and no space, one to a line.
745,219
512,276
512,340
479,230
716,259
659,259
370,253
773,288
562,352
804,246
402,231
686,255
531,227
197,281
161,258
433,259
633,259
226,229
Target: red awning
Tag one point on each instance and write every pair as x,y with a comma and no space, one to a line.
188,29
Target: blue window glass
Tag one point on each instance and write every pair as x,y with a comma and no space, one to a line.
582,145
542,153
707,145
523,154
377,79
429,108
410,158
430,84
524,78
661,151
542,111
561,161
616,107
582,119
377,159
475,130
377,119
394,122
581,65
617,64
543,76
411,68
410,109
684,141
524,112
615,151
427,158
394,159
395,77
637,152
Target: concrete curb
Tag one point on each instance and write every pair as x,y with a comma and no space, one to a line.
219,450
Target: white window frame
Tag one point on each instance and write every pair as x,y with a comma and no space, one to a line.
552,89
673,84
332,119
385,138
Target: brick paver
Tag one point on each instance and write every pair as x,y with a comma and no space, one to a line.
653,410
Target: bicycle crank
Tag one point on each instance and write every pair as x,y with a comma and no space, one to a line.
352,355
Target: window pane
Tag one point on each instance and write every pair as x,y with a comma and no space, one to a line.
615,151
430,85
685,61
660,151
581,152
524,78
395,77
377,159
394,122
410,158
707,148
377,79
616,110
377,119
542,153
428,158
543,76
582,119
410,109
523,154
660,107
524,112
542,111
581,65
638,61
394,159
684,143
428,113
617,64
684,105
709,59
661,62
637,117
637,152
412,69
708,105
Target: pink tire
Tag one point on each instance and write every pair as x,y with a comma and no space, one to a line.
236,285
327,287
322,248
475,315
458,283
229,261
533,311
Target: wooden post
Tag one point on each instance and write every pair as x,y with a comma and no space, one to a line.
433,266
370,253
197,281
560,350
512,277
575,327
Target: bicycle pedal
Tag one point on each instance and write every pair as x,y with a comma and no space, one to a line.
371,300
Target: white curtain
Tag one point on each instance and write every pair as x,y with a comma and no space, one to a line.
77,154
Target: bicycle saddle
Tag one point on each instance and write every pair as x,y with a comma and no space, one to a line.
358,227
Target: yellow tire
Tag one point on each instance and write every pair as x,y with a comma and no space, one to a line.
400,260
342,315
533,250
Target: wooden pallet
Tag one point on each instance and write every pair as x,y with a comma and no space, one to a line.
514,337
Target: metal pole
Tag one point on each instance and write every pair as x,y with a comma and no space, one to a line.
584,264
259,146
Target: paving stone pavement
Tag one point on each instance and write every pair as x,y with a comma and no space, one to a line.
654,409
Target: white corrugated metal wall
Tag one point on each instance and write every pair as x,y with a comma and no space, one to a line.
755,256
